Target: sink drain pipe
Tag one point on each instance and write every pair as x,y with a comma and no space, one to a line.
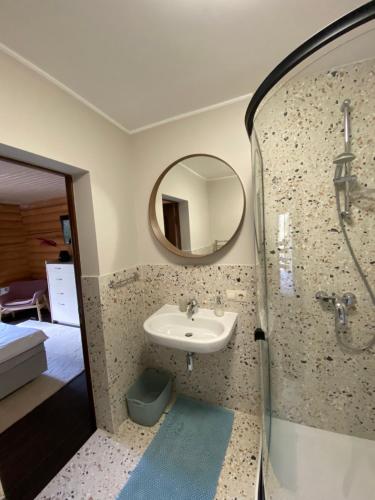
189,361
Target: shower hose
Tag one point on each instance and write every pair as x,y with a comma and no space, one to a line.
371,343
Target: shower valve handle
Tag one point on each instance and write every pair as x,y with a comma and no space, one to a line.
326,297
348,299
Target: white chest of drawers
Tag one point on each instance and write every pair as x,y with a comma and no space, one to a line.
62,293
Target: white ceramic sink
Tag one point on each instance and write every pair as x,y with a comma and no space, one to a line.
204,332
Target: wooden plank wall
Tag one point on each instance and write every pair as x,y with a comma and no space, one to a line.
42,220
14,263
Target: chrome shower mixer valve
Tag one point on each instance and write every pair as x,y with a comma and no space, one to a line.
341,305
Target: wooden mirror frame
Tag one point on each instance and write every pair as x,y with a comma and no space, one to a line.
154,222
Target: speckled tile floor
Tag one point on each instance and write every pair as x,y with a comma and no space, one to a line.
103,465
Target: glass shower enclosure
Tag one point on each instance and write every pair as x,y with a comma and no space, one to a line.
313,148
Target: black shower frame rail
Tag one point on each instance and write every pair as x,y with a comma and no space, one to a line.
350,21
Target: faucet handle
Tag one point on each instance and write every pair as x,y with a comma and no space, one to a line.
192,307
325,297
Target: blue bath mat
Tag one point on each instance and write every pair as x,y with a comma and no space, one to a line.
183,461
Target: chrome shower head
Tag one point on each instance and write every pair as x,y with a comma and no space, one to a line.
343,158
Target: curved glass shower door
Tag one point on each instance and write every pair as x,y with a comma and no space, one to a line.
314,204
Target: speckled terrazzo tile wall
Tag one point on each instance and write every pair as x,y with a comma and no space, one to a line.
96,350
119,352
228,377
122,316
300,131
114,319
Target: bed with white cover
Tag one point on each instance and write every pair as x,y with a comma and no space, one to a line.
22,356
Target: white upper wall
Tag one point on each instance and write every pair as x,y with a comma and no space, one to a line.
225,201
112,198
220,132
38,117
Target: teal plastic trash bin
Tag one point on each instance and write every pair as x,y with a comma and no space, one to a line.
148,397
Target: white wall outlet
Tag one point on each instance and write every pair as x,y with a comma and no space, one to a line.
236,295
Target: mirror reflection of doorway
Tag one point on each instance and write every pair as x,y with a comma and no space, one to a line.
172,227
197,205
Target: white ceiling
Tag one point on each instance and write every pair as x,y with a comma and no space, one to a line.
207,167
145,61
21,185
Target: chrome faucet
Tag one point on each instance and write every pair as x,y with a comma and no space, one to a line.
341,305
192,308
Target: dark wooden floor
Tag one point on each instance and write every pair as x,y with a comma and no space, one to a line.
36,447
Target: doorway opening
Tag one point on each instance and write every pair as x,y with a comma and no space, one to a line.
176,222
45,388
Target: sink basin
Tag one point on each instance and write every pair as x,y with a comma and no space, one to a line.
204,332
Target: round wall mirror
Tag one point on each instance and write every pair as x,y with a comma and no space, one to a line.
197,206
